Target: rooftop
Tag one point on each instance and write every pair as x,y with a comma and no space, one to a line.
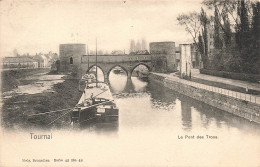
163,42
72,44
17,59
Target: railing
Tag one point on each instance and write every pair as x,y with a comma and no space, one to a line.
238,95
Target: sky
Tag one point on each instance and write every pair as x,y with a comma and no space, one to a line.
33,26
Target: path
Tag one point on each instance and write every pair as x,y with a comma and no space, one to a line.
196,74
238,95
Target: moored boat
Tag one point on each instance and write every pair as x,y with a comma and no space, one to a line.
96,104
117,71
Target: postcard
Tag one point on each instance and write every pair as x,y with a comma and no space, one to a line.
129,83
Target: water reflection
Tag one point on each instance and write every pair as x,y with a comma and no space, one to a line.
177,110
146,104
129,87
117,82
168,99
186,116
152,116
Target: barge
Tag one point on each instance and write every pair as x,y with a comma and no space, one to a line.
96,104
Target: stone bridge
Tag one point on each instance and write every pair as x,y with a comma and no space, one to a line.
108,62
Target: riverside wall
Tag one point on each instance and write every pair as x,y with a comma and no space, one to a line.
238,107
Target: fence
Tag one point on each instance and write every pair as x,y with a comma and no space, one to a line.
238,95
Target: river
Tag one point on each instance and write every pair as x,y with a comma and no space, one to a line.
157,127
162,123
147,104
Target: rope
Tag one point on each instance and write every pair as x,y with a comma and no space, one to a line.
98,104
84,108
93,106
70,109
58,118
50,112
100,93
97,94
62,109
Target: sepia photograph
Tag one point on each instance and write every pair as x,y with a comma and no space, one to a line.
129,83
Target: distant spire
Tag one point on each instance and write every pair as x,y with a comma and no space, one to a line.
143,47
132,45
138,46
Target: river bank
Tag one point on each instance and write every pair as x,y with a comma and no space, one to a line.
14,77
235,104
54,92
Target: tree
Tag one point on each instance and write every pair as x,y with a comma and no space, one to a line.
256,25
255,47
243,36
204,22
222,8
201,48
192,25
57,64
217,40
228,33
242,16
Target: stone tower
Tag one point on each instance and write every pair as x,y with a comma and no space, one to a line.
185,50
70,55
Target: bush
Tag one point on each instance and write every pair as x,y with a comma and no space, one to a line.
74,71
232,75
41,108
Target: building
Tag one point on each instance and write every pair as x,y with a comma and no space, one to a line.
143,47
142,52
43,61
52,58
132,46
71,55
210,35
178,58
19,62
211,47
139,46
163,56
195,56
117,52
185,62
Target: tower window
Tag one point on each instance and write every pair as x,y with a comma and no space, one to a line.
71,60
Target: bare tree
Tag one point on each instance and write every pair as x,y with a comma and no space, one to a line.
192,24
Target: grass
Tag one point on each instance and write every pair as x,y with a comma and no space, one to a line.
12,78
220,85
16,110
225,86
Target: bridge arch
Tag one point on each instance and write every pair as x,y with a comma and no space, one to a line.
99,67
108,72
108,62
147,66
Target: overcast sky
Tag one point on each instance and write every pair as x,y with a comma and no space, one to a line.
40,26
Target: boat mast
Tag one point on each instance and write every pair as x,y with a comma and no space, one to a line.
96,63
88,57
